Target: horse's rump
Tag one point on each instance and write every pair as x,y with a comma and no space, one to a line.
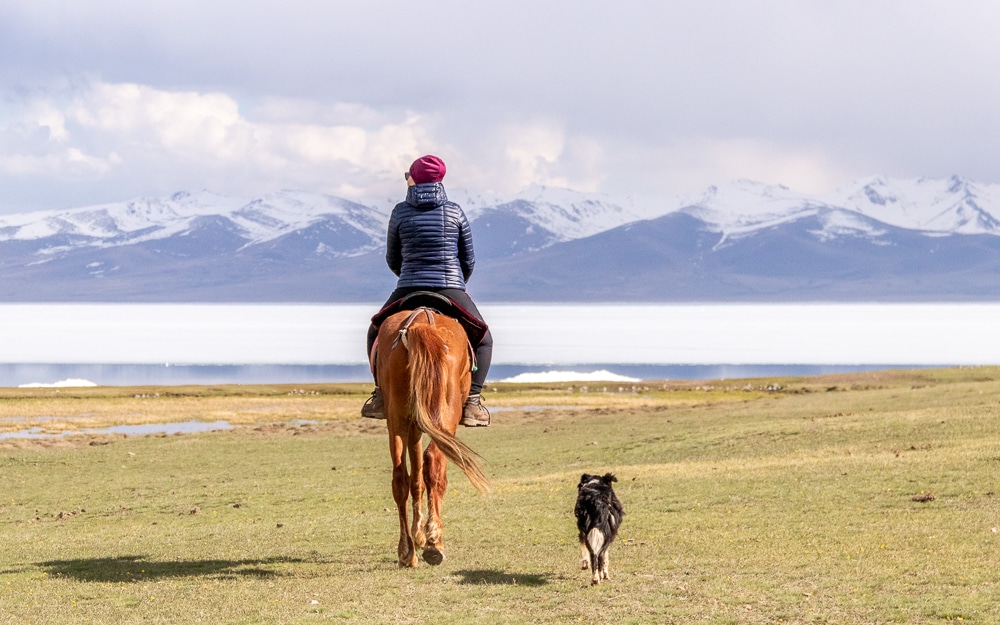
427,366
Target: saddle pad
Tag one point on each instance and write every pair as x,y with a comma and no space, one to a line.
473,327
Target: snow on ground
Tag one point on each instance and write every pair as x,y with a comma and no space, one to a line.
569,376
70,383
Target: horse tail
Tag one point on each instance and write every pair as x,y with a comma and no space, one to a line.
429,384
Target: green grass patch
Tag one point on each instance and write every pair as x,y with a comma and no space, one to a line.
870,498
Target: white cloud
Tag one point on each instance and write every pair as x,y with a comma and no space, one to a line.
316,144
689,165
182,140
85,163
183,124
804,169
533,147
52,119
519,155
177,140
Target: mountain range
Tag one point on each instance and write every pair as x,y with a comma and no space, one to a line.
877,239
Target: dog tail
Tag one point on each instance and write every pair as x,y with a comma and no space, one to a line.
595,540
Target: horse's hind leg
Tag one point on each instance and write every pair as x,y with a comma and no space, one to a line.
417,490
406,550
436,478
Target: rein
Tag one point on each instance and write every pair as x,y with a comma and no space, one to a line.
405,328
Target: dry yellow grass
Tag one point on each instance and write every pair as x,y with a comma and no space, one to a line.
839,499
68,410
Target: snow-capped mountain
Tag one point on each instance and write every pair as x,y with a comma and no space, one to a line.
150,219
129,221
874,239
933,206
952,206
565,213
539,217
877,239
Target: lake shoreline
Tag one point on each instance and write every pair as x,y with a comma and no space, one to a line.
69,375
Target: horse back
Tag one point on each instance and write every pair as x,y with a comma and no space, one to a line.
434,329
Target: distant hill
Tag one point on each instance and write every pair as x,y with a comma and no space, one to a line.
876,240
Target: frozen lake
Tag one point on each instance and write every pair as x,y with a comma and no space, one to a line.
327,341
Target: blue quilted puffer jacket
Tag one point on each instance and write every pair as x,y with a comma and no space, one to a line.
429,242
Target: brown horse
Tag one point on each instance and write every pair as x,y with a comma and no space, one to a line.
424,367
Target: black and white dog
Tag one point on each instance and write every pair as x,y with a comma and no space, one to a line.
598,516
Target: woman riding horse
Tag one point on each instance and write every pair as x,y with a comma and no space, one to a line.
429,246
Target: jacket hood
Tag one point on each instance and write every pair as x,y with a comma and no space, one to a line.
427,195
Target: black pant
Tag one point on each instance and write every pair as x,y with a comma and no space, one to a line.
484,351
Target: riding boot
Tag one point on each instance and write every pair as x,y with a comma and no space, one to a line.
374,407
474,413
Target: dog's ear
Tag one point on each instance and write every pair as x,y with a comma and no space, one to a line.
586,477
608,478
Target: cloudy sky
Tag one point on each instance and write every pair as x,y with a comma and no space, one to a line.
107,100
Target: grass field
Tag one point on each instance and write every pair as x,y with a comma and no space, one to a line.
868,498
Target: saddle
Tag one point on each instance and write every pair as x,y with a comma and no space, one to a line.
474,328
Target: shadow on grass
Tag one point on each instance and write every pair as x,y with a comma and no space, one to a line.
137,568
480,576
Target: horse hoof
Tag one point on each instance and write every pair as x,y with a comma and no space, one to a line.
433,557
